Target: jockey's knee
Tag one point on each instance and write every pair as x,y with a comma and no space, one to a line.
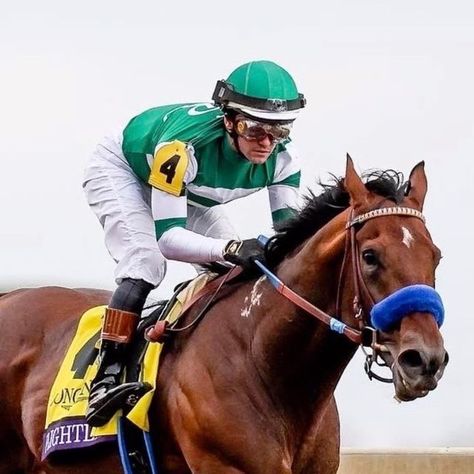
144,262
131,295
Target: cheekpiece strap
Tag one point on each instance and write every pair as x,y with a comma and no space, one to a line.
386,211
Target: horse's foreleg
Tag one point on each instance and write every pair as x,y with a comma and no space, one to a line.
319,453
217,467
14,454
217,459
204,463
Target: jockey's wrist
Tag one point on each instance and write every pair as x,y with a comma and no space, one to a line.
184,245
231,249
244,253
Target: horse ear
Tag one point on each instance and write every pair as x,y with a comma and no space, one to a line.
417,185
354,185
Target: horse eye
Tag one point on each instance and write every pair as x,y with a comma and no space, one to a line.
370,257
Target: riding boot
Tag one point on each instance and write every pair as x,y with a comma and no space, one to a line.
108,394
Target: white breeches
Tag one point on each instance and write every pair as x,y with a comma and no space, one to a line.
121,202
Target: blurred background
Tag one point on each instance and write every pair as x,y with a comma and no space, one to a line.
389,82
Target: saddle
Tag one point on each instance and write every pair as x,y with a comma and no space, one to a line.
66,429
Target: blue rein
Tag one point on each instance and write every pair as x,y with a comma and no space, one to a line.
384,315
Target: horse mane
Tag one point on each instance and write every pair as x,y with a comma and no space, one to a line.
318,210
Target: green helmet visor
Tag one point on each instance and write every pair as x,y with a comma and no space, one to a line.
224,94
254,130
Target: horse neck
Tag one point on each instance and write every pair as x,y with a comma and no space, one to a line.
299,356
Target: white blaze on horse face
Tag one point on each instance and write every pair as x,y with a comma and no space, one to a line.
407,237
253,299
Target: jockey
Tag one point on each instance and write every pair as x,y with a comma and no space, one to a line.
156,190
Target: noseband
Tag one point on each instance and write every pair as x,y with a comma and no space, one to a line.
382,315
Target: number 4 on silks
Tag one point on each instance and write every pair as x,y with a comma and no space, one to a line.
169,167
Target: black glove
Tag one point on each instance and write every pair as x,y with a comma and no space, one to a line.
244,252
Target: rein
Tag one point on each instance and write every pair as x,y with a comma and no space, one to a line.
334,324
163,329
366,335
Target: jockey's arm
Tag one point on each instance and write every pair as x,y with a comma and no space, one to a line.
175,241
284,192
172,169
185,245
283,203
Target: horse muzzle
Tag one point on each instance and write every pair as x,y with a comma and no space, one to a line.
417,356
409,321
417,371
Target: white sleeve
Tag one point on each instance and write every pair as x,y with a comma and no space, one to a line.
184,245
283,197
167,206
284,191
287,164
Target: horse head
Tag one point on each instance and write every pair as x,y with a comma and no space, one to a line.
390,282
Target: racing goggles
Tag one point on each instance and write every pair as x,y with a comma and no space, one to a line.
254,130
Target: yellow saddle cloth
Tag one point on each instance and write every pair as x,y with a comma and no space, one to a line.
66,426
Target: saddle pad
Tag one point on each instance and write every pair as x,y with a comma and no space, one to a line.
66,426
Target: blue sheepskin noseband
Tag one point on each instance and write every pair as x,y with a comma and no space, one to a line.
411,299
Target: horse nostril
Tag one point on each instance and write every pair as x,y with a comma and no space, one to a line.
410,359
446,358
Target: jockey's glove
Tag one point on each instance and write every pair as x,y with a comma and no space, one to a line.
244,252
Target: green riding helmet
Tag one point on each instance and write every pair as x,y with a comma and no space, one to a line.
260,89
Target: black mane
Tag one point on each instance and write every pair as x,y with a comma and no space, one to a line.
319,210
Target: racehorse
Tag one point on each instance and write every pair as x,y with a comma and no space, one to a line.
250,389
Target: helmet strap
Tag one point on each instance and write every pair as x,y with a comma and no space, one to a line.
230,116
225,93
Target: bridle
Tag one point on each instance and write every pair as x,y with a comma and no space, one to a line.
369,335
365,335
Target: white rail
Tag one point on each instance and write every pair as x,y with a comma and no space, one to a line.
463,451
447,460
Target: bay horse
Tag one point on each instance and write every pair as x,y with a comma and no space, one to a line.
250,389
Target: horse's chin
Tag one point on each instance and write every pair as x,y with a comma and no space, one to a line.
407,389
404,392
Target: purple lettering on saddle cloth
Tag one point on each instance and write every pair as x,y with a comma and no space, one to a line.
411,299
70,433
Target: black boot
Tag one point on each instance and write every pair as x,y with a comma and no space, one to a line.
108,394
